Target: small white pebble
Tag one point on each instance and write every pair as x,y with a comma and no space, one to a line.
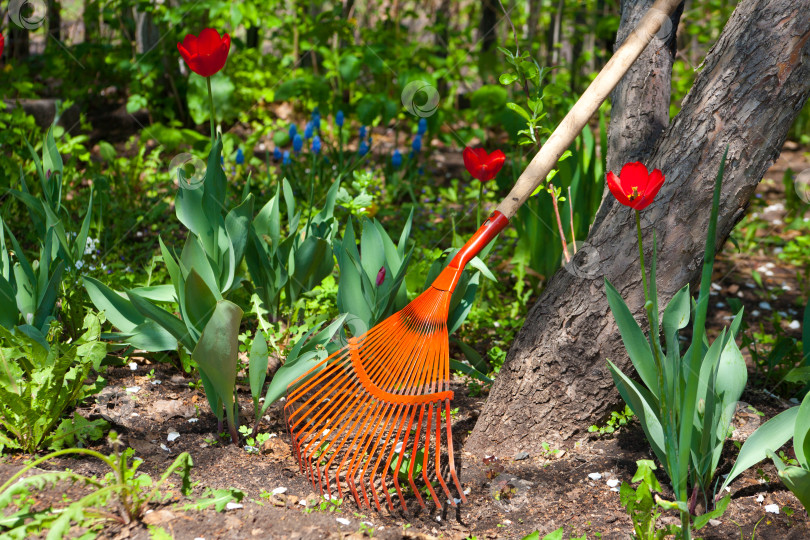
765,305
755,313
777,250
370,524
251,449
302,502
782,314
272,435
786,287
794,400
612,483
772,508
716,287
794,325
164,447
595,476
133,366
760,498
720,305
768,273
155,382
740,294
135,414
507,522
467,491
398,448
343,521
132,389
750,285
172,436
193,420
614,489
777,222
233,506
715,522
439,519
279,491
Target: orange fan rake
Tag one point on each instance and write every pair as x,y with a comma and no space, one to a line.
381,405
385,398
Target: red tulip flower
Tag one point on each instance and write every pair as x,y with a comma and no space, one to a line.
380,276
206,54
481,165
635,187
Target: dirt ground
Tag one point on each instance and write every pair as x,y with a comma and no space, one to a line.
570,488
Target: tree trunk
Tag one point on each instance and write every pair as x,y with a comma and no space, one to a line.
54,22
640,102
753,83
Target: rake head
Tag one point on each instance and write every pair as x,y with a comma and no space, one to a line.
379,408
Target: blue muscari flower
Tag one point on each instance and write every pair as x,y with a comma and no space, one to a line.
363,148
421,171
416,145
339,119
222,160
298,143
286,158
276,154
316,144
422,128
369,140
362,132
396,159
316,120
308,130
293,130
240,157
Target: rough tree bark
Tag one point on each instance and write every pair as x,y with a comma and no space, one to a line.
752,85
640,102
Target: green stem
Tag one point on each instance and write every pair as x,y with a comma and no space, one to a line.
641,256
213,113
478,209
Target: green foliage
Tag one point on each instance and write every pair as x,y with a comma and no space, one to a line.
202,277
616,420
40,383
122,490
685,405
795,423
381,261
294,262
218,498
641,505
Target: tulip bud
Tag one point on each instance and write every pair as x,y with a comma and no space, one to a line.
381,276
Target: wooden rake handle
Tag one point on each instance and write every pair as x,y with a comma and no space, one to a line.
576,119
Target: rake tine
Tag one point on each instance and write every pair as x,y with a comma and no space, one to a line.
413,457
439,453
425,458
395,427
450,453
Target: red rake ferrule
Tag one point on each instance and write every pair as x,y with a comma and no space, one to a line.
447,280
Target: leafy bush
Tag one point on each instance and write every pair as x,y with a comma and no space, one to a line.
39,384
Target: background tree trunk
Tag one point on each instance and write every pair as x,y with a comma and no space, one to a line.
752,85
640,102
